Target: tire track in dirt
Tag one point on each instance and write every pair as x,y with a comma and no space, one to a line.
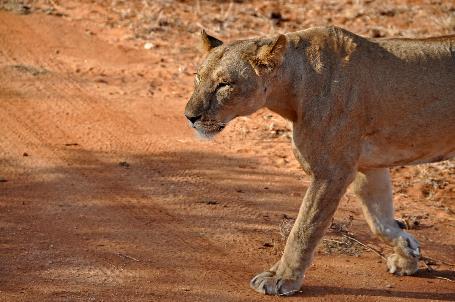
27,123
92,266
243,209
126,204
175,209
59,192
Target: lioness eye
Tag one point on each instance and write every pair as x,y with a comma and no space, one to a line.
222,84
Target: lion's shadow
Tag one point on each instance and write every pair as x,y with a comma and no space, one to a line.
322,291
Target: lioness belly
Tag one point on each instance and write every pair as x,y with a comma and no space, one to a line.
410,130
379,156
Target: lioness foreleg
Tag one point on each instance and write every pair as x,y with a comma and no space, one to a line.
318,207
374,189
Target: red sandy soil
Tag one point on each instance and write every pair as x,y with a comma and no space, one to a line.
106,194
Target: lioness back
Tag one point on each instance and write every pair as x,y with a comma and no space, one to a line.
406,88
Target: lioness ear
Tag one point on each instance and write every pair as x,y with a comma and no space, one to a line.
271,54
208,42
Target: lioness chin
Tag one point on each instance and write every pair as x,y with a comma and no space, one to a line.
358,106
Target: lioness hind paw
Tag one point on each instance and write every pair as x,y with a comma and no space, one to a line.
405,259
400,265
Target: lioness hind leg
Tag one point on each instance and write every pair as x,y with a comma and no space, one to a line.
374,189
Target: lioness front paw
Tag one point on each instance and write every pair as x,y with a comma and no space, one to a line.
270,283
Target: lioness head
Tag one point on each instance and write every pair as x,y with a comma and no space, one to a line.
231,81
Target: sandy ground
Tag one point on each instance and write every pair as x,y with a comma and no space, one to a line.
106,194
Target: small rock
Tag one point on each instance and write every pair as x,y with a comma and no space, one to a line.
149,45
388,12
3,179
212,202
376,33
25,154
281,161
182,69
102,81
389,286
276,17
449,210
124,164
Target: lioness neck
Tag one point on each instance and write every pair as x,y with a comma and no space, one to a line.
280,98
306,69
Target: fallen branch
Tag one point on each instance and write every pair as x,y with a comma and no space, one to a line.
436,260
366,246
422,258
128,257
444,278
333,240
429,268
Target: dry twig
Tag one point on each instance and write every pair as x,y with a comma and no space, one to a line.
424,258
365,246
333,240
128,257
444,278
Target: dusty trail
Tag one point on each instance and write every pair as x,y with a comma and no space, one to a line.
109,197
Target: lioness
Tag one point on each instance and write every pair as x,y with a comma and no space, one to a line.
357,105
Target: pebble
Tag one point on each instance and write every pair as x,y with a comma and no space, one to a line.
149,45
124,164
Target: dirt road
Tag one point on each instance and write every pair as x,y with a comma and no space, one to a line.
106,194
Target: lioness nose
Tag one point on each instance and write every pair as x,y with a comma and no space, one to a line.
193,119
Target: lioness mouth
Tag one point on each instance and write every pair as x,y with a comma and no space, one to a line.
209,130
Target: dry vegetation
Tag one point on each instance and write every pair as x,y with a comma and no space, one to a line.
166,27
235,219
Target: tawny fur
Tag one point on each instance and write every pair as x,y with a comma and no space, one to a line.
358,106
